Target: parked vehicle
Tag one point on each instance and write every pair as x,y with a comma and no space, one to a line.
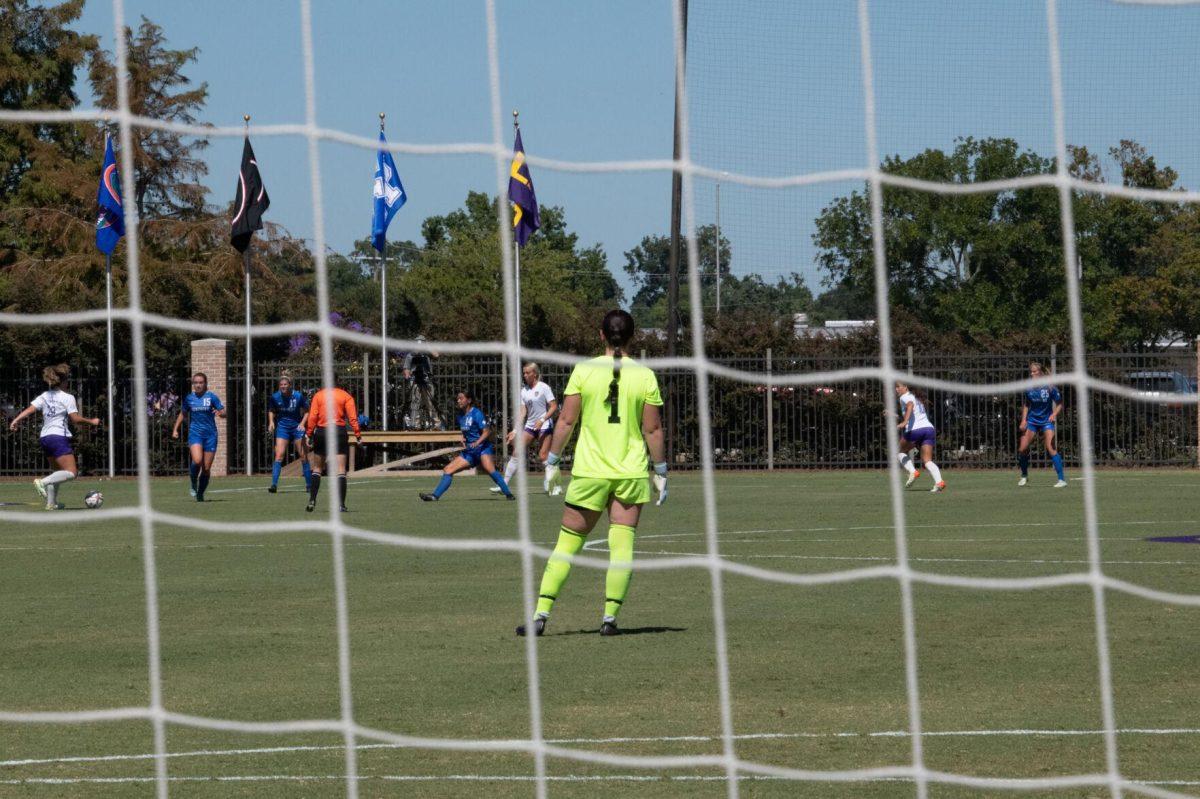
1157,384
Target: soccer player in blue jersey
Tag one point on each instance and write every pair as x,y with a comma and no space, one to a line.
477,448
1040,407
202,408
286,414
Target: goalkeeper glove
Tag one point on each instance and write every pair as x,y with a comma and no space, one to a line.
553,480
660,482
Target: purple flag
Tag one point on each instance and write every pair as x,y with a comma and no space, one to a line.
520,192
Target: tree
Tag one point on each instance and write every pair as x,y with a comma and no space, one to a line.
648,266
39,55
453,287
168,165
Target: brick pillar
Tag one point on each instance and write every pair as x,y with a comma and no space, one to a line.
211,356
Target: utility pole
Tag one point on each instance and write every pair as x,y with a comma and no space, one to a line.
673,264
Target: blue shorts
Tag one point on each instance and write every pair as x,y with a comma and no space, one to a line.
1038,427
289,432
207,440
926,436
56,446
472,456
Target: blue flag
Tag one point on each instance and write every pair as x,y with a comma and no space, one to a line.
389,195
526,218
110,225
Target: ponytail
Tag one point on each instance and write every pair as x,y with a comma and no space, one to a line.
614,389
56,376
617,330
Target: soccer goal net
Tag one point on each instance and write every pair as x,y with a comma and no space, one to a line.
727,763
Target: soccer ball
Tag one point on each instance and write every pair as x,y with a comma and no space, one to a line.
94,499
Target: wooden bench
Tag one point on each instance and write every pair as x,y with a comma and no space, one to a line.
451,441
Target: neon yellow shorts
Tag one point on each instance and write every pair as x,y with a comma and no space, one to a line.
593,493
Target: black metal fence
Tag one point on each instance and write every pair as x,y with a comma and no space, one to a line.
756,425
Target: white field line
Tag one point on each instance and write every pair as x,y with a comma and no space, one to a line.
493,778
599,545
757,736
298,490
891,559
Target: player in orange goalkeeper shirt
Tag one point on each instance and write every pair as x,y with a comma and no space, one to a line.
345,412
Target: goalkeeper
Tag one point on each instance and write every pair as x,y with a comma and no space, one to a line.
617,405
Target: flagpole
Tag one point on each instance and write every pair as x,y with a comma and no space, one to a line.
517,249
112,440
249,383
383,318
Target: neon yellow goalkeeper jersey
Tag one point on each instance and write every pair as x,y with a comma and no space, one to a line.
612,450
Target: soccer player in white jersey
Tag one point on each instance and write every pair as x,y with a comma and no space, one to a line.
57,407
535,420
917,431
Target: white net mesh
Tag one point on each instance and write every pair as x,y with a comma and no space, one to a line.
735,768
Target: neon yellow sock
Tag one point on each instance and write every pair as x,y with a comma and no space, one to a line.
620,568
558,568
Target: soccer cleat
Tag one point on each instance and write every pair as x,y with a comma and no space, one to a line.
272,489
428,498
1061,484
311,506
609,628
199,497
344,509
55,506
539,627
937,489
1023,481
495,489
556,491
912,478
40,487
192,493
511,497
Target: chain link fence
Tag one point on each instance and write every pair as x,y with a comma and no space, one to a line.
756,425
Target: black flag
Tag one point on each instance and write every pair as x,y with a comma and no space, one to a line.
250,202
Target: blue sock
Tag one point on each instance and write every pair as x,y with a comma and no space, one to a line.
1058,467
443,485
193,473
203,483
307,470
1023,460
275,470
498,479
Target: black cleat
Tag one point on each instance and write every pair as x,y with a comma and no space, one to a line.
344,509
272,489
510,497
609,628
311,506
539,627
428,498
199,497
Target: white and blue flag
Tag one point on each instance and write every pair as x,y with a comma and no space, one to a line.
389,195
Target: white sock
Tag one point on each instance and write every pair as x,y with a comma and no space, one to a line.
510,469
61,476
51,483
907,463
934,471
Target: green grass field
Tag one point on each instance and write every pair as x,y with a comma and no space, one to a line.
817,673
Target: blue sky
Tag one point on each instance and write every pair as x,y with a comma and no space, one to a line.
775,89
